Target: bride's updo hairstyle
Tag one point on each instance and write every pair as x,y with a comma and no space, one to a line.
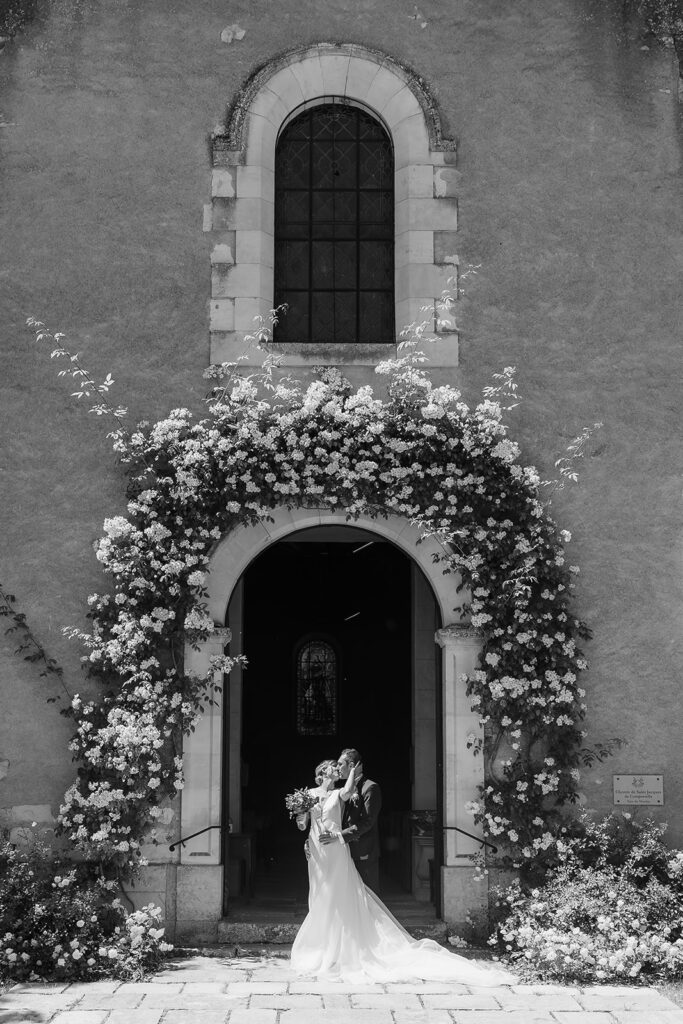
320,770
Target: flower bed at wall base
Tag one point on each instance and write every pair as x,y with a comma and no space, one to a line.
58,921
610,911
421,453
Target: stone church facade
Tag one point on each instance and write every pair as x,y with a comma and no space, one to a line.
535,170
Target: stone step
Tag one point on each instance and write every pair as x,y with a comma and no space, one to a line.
249,933
258,932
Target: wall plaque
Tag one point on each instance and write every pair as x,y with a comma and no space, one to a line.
639,790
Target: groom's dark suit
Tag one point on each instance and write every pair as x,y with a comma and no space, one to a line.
360,830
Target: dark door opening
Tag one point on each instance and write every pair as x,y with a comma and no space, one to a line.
348,603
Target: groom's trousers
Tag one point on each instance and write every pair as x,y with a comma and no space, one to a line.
368,870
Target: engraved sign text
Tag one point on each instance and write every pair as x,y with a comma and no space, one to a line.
639,790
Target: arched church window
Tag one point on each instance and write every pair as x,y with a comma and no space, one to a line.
317,676
334,228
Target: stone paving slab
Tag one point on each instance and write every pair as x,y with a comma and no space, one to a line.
337,1017
261,990
31,1006
422,1017
336,1001
624,999
386,1001
265,988
252,1017
140,1017
332,987
182,975
116,1001
151,988
423,988
657,1016
194,1004
312,1003
182,1017
83,1016
584,1017
483,999
556,1001
57,986
503,1017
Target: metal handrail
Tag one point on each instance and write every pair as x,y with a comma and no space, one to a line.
445,828
181,842
454,828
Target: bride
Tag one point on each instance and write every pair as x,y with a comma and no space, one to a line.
348,934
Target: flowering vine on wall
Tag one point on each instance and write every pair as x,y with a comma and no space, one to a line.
420,453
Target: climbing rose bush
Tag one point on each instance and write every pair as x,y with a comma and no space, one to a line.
58,921
419,453
612,908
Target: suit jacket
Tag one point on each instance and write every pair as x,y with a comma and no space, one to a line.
359,823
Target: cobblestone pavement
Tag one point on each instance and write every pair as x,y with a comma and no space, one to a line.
264,990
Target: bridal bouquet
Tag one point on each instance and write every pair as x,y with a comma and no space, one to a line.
299,802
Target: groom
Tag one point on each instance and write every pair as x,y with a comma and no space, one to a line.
359,824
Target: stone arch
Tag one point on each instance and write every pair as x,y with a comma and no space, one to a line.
200,878
241,212
236,551
349,71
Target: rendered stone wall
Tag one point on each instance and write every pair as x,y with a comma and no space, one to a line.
569,206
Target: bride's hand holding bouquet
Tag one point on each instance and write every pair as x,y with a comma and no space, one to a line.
299,804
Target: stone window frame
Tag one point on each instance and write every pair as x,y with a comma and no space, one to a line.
240,217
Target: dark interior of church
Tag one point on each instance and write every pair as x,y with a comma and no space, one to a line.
327,637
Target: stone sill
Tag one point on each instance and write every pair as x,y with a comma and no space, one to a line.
227,347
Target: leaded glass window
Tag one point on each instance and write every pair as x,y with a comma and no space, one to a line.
334,228
316,689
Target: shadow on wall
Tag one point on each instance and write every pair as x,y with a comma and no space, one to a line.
616,36
14,14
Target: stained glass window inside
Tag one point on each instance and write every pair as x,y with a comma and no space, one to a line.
316,689
334,228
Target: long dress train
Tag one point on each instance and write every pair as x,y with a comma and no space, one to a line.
349,935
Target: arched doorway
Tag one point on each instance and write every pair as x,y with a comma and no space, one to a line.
211,753
330,619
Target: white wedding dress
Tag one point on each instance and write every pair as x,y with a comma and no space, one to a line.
349,935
